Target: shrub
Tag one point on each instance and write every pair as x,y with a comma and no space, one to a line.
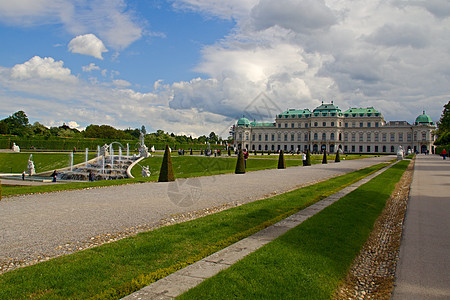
166,172
308,158
240,164
229,152
192,153
324,159
281,161
338,157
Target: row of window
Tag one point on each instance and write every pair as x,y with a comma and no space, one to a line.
315,148
305,137
332,124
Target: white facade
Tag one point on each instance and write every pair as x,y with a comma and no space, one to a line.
356,130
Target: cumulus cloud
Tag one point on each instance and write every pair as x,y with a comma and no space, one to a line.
42,68
111,20
91,67
402,35
87,44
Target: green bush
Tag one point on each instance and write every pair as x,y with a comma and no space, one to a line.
240,164
338,157
281,161
166,172
308,158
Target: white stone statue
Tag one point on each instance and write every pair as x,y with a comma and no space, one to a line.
104,151
143,150
400,153
145,172
31,170
15,148
152,149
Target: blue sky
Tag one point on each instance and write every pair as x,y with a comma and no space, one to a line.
194,66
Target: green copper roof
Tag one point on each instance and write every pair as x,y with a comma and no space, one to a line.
295,113
327,108
360,112
262,124
424,119
243,122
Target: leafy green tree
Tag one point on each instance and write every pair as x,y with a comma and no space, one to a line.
443,131
17,124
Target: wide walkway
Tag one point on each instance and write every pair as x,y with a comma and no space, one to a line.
37,226
423,271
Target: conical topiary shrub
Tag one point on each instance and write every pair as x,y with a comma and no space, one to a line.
324,159
240,164
338,157
308,158
229,151
281,161
192,152
166,172
201,151
254,152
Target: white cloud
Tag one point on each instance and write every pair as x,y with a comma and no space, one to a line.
111,20
91,67
42,68
87,44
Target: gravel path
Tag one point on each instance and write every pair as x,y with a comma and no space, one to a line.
38,227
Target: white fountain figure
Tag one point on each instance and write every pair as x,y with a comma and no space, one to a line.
71,161
146,171
152,149
120,157
98,153
143,150
128,150
15,148
31,170
111,150
86,155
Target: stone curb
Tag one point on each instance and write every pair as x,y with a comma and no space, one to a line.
181,281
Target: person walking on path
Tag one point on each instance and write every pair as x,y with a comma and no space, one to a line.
245,158
444,154
54,176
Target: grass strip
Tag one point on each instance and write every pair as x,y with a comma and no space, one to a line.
184,167
117,269
309,261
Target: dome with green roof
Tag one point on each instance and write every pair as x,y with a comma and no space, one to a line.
424,119
243,122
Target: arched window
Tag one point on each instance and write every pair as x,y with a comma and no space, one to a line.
324,136
392,149
340,136
315,136
332,136
259,147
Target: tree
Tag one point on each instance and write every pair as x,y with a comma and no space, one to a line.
166,173
240,163
281,161
443,131
17,124
338,157
308,158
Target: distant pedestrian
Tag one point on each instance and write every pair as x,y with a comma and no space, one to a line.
304,158
444,154
54,176
23,175
91,176
245,158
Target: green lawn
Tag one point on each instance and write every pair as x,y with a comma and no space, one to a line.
17,162
309,261
117,269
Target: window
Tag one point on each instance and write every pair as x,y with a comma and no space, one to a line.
332,124
332,136
246,136
376,124
346,137
353,137
240,136
273,137
360,148
340,136
368,149
384,149
353,148
384,138
299,136
299,125
392,137
345,148
354,124
292,125
376,138
259,147
315,124
285,137
253,137
324,124
279,137
306,125
324,136
424,136
315,136
266,147
259,137
369,138
346,125
273,147
360,124
306,137
400,137
266,137
292,137
285,125
279,125
376,149
415,136
409,137
392,149
368,124
361,138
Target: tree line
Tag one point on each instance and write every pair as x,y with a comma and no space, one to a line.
18,124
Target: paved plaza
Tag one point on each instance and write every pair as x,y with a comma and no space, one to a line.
44,225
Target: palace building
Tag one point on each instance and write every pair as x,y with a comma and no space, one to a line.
356,130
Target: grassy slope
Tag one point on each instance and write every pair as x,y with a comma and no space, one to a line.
309,261
122,267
